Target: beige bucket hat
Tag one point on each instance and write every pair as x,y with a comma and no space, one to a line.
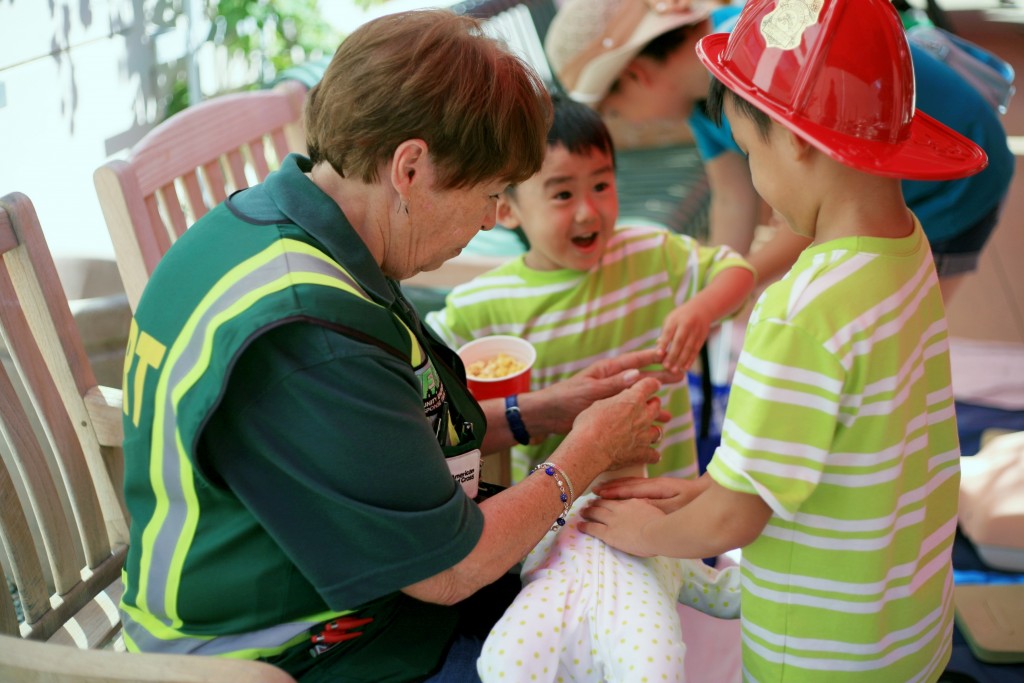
590,42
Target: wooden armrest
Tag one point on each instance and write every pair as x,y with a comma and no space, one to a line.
105,406
26,660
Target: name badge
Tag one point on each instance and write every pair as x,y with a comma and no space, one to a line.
465,471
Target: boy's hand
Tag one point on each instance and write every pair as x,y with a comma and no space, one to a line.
620,523
682,334
668,494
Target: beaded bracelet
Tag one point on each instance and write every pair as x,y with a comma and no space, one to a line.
568,482
562,482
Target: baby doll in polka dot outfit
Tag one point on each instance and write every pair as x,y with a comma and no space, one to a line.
588,612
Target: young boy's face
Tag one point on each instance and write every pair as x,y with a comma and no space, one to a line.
773,170
567,210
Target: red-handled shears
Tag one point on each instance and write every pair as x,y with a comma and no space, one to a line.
340,630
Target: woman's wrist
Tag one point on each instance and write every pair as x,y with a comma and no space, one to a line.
514,419
534,413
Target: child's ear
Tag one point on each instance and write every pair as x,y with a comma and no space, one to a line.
799,148
507,216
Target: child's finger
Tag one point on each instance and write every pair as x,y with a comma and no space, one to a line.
665,341
691,356
678,352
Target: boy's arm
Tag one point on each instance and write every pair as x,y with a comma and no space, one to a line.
719,519
686,328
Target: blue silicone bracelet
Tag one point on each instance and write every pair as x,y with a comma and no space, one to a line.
515,420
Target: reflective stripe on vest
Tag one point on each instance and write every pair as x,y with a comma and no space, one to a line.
168,534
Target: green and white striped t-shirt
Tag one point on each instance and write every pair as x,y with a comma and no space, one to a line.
574,318
841,419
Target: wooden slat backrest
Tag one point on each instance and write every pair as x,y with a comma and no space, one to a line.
63,521
516,28
522,24
187,165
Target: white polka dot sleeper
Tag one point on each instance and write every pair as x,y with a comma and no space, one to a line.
590,613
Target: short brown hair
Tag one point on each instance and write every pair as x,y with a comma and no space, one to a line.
434,75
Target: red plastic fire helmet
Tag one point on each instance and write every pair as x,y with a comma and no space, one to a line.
839,74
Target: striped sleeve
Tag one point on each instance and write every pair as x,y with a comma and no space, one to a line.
713,260
781,417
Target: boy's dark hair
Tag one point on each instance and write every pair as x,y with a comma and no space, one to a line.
577,128
715,106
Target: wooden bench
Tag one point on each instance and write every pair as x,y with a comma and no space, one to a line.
62,516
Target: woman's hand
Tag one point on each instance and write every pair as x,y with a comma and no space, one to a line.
668,494
622,429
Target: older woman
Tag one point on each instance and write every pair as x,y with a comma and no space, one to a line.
288,419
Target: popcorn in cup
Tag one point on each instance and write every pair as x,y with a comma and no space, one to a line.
498,366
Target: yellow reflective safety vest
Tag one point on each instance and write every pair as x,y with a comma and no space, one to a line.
225,282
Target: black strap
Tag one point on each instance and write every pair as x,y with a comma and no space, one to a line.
706,406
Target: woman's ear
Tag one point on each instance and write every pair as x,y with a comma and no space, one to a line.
408,165
507,216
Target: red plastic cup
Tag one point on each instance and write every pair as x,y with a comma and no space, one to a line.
486,348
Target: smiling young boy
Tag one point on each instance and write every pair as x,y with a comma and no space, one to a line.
586,290
838,471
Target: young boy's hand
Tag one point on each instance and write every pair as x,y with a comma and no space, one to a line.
682,334
620,523
668,494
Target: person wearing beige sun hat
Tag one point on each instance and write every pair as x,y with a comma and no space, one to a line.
590,43
635,61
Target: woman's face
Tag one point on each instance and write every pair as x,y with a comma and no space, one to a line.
441,223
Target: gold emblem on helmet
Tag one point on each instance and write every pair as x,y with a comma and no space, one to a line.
784,26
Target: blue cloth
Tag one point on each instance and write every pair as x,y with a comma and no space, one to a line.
969,569
460,664
948,207
972,420
713,140
707,444
945,208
